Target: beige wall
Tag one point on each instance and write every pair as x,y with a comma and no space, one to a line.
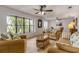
65,22
4,12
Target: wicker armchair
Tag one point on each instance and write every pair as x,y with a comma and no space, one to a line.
56,34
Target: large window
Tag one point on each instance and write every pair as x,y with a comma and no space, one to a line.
19,24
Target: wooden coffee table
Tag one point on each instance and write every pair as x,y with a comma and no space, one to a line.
42,43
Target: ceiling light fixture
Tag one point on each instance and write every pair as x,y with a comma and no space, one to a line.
41,13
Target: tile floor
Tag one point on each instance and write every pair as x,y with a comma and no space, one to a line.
31,45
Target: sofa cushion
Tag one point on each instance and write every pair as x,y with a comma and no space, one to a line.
74,39
67,47
56,50
12,46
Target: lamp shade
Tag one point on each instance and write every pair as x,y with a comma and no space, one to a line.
71,25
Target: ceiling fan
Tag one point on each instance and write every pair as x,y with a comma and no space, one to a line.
42,10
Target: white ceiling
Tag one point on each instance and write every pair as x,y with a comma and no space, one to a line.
60,11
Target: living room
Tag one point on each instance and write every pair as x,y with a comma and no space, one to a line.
42,28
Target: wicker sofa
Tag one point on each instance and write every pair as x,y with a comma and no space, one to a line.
63,46
12,46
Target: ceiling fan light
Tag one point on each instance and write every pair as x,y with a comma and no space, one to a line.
42,13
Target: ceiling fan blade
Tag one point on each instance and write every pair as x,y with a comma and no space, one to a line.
37,9
48,10
36,12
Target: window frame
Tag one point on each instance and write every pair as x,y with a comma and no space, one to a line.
23,25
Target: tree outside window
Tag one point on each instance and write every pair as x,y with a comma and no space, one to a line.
19,24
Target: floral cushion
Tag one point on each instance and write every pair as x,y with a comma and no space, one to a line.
74,39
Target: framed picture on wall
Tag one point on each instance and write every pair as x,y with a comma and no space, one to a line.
39,23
